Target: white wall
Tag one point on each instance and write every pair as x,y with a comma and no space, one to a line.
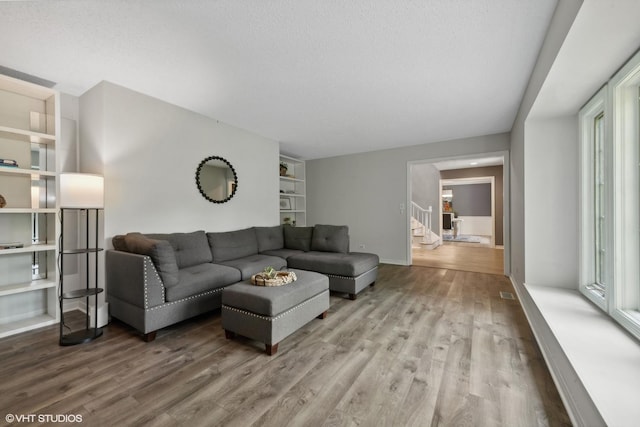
544,151
149,150
368,191
476,225
551,202
563,18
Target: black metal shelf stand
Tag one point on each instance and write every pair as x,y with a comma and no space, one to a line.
91,289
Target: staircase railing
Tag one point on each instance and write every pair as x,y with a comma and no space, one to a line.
422,216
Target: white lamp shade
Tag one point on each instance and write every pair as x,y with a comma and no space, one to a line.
447,194
81,190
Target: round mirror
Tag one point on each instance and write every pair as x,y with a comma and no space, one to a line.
216,179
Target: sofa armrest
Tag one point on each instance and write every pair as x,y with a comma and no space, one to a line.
134,279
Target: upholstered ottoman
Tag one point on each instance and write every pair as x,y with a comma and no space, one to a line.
270,314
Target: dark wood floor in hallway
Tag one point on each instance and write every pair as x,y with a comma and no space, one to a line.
423,347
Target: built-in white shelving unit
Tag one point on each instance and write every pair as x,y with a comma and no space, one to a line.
29,129
293,202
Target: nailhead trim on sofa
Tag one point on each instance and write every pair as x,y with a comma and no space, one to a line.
271,319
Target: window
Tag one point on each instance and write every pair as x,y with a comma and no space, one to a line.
625,87
610,197
599,203
594,219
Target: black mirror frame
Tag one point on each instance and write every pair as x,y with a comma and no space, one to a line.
235,178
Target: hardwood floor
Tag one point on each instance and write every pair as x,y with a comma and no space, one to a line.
424,347
461,256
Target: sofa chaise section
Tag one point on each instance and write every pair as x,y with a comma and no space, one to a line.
348,273
323,249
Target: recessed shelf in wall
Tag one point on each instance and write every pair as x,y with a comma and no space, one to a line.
7,132
24,325
293,190
29,129
35,174
29,248
286,178
27,211
27,287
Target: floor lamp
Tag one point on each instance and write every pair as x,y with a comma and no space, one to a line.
82,193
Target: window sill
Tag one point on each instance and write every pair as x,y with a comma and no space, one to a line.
603,355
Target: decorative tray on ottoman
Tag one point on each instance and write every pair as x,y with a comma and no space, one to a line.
277,278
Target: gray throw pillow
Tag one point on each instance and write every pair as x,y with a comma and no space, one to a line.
330,238
161,253
298,238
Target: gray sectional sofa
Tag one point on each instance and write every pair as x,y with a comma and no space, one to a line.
156,280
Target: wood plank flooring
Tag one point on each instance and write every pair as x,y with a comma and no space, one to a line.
423,347
461,256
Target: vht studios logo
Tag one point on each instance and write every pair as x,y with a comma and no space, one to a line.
43,418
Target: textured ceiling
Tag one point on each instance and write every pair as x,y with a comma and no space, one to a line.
322,77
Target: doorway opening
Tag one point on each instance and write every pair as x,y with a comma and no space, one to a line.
459,213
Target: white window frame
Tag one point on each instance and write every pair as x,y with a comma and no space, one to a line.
625,94
594,108
619,101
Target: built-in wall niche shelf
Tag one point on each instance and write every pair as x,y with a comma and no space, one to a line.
288,178
29,130
27,287
38,247
27,324
33,173
293,204
28,210
16,134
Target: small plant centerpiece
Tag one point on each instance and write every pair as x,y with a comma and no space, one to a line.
283,169
272,277
270,272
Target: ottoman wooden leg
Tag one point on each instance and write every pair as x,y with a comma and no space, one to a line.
322,315
353,297
272,349
229,334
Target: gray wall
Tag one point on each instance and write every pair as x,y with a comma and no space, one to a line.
471,199
368,191
497,173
